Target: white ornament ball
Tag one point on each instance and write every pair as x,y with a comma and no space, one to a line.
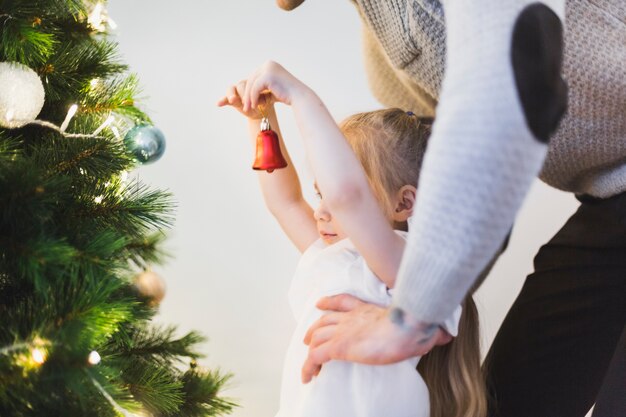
21,95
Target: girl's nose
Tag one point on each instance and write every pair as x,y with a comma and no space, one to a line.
321,214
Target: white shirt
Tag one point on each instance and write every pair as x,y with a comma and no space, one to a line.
345,389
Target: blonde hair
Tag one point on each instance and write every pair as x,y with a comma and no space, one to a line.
390,144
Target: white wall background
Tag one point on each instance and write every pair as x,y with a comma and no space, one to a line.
232,265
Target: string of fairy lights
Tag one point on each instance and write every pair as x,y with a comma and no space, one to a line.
98,20
68,118
22,96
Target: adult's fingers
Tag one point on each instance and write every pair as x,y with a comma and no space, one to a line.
341,302
314,361
321,335
325,320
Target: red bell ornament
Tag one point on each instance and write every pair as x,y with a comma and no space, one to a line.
268,155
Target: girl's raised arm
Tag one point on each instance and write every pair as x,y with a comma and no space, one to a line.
339,174
281,188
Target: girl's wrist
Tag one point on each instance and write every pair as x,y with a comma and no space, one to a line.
302,94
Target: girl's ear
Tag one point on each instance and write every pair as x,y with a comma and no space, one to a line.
404,203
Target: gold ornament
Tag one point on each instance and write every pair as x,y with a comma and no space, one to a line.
150,286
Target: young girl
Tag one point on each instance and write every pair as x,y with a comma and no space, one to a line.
365,171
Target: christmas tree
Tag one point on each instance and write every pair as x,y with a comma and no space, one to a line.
76,232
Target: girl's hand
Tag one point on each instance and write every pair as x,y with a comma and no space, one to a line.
233,99
274,79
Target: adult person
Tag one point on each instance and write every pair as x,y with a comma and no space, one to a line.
497,109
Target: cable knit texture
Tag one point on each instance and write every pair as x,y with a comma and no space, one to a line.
404,45
482,157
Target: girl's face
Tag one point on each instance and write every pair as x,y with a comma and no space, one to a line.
329,230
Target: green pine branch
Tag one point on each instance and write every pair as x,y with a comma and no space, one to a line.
73,233
75,64
203,397
22,42
134,210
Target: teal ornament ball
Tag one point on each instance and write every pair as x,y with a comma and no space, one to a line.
146,143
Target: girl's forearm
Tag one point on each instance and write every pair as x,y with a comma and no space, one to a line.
338,172
283,195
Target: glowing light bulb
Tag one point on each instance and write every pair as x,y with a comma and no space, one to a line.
124,176
96,18
39,356
94,358
68,118
107,122
116,132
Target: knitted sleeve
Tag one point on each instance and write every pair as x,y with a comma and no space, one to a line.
501,98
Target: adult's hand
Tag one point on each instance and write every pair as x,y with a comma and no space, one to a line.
356,331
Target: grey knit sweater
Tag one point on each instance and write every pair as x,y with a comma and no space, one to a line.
472,186
404,44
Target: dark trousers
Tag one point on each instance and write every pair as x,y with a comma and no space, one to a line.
562,345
